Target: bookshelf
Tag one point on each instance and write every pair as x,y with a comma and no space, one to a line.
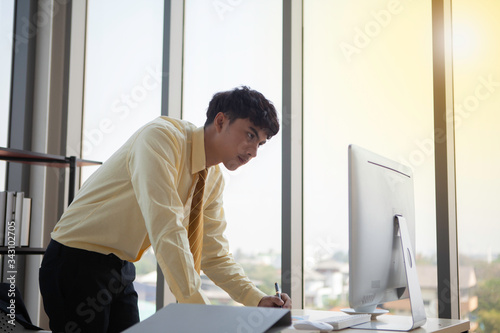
27,157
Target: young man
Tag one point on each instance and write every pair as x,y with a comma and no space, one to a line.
149,193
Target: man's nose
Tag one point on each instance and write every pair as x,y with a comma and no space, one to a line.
252,151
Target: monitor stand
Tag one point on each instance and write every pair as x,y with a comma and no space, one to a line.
418,317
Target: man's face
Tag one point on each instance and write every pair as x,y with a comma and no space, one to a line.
239,141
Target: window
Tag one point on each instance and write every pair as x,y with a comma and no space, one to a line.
123,70
476,72
228,44
7,32
367,81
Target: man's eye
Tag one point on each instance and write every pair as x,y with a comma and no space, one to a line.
251,136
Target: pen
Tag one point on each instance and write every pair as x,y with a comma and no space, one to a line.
278,291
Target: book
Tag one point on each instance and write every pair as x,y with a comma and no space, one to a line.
26,222
3,199
10,203
18,217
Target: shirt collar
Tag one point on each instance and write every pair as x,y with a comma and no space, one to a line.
198,158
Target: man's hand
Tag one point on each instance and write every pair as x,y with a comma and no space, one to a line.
275,302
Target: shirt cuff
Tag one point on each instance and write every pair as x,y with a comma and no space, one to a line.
253,298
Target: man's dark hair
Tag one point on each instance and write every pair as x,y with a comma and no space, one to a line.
243,102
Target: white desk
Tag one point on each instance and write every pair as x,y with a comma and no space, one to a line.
432,324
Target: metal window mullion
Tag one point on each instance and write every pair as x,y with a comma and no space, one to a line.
171,97
76,46
292,201
446,221
173,52
22,87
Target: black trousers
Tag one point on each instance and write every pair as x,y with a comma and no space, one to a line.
85,291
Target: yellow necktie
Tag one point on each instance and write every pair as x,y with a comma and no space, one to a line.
195,228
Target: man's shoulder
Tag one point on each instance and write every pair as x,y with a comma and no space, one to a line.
168,126
173,124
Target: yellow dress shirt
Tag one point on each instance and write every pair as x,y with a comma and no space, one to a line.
141,196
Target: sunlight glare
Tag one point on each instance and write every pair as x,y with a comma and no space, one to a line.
465,40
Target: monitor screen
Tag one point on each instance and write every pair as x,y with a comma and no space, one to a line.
379,190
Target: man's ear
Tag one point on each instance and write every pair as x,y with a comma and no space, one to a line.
219,120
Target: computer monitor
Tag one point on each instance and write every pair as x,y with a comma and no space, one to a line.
381,235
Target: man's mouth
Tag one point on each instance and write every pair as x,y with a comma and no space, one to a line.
242,160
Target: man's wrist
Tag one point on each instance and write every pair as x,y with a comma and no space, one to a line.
254,297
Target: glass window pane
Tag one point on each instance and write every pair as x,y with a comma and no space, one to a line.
228,44
122,92
7,33
476,73
367,81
